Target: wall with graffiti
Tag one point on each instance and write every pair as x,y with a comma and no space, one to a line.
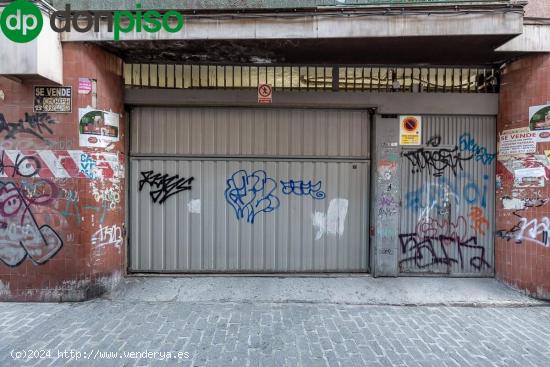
61,204
386,202
523,174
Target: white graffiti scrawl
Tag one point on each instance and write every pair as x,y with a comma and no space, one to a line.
333,221
535,231
107,236
20,235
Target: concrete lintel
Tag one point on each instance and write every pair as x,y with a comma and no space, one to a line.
39,59
327,26
535,38
386,103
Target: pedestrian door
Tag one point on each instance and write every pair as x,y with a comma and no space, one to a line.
447,220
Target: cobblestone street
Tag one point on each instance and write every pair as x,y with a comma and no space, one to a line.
113,333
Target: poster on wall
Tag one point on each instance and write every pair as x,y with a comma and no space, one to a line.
98,129
529,177
52,99
517,143
539,117
540,136
84,85
529,170
410,130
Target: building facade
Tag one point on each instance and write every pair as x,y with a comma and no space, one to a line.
396,138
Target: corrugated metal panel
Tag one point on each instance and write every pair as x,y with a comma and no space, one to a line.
447,221
323,228
238,132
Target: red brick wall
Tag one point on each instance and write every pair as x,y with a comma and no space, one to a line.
61,230
522,245
538,9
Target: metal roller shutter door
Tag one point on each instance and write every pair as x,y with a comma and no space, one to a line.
249,190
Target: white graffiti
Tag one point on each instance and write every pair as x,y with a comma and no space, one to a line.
69,195
109,196
333,221
194,206
513,204
531,230
535,231
108,236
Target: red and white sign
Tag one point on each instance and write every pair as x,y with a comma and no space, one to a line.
265,93
542,136
84,85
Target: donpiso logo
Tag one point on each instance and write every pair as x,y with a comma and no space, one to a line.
21,21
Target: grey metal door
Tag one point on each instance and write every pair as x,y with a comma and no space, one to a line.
249,190
447,221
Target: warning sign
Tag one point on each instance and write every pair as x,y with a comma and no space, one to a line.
265,93
410,130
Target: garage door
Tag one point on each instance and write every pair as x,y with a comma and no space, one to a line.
249,190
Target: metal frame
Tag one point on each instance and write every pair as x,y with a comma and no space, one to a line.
379,78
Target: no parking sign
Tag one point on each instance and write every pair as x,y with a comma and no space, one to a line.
410,130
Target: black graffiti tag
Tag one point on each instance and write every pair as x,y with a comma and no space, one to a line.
426,251
436,160
165,185
36,125
24,166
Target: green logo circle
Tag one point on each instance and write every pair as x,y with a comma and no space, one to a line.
21,21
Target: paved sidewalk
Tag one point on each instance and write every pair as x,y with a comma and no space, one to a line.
201,331
358,290
228,334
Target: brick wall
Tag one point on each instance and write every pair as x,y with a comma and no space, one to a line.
522,245
61,204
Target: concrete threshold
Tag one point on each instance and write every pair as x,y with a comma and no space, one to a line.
335,289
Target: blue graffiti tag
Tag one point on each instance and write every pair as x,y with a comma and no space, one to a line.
432,194
468,144
301,188
251,194
87,165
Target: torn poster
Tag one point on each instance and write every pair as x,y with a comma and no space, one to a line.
98,129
